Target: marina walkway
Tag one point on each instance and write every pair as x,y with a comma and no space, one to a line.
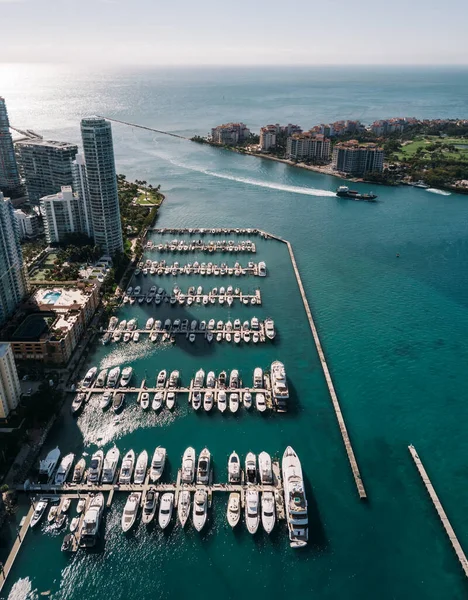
16,547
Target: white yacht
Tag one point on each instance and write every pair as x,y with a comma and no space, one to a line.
79,471
149,506
183,507
234,402
188,465
89,377
101,378
268,511
130,511
260,402
77,403
252,513
165,509
233,509
234,468
174,379
127,374
38,512
222,401
126,470
258,378
295,499
110,465
208,401
279,385
81,505
196,400
113,378
247,400
144,400
210,379
91,521
270,331
157,464
234,379
95,468
140,468
262,269
265,469
74,524
251,468
149,323
161,379
157,401
200,509
64,469
170,400
204,467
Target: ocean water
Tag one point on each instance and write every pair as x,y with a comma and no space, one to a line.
394,331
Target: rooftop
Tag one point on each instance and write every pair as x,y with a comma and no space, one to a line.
46,144
60,297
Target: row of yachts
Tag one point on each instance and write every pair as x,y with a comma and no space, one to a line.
204,231
258,473
193,296
161,267
201,246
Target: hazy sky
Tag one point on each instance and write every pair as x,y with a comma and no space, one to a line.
255,32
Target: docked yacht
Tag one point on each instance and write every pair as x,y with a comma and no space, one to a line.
252,513
234,468
74,524
262,269
47,466
234,380
247,400
170,400
38,512
81,505
141,468
161,379
118,402
95,468
113,378
222,380
157,401
199,378
127,374
64,469
208,401
126,470
101,378
166,507
200,509
222,401
130,511
251,468
149,506
91,521
149,324
188,465
196,400
268,511
204,467
110,465
77,403
183,507
260,402
270,331
144,400
210,379
295,499
79,471
234,402
89,377
174,379
264,467
258,378
233,509
279,385
157,464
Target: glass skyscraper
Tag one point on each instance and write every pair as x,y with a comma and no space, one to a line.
10,182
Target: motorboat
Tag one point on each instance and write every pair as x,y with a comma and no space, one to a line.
234,402
113,378
166,507
39,510
154,336
161,379
65,505
211,324
74,524
279,385
208,401
112,323
95,468
127,374
174,379
234,380
237,324
91,521
246,336
130,511
200,509
118,401
157,464
268,511
52,514
233,509
260,402
81,505
141,468
252,513
222,378
144,400
237,337
136,336
101,378
247,400
126,471
64,469
157,401
265,469
255,324
149,506
222,401
295,499
78,402
251,468
79,471
132,324
117,335
204,467
258,378
210,380
149,323
89,377
183,507
188,465
219,325
262,269
234,468
270,331
111,462
199,378
170,400
127,336
47,466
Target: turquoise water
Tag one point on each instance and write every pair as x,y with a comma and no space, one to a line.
52,297
394,331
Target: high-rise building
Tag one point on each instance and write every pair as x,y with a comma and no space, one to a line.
62,215
357,159
10,182
268,137
102,184
308,146
28,224
45,165
12,278
10,389
230,134
80,186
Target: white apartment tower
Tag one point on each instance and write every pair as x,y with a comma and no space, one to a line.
62,215
10,390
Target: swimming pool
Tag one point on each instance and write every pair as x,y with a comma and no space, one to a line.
51,297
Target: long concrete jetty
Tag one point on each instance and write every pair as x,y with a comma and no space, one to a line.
144,127
16,547
440,510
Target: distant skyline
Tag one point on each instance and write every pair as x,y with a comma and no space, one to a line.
209,32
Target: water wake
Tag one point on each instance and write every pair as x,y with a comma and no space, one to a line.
440,192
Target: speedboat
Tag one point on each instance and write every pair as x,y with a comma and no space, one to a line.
92,521
79,470
252,515
64,469
174,379
199,378
38,512
233,402
130,512
247,399
81,505
237,337
251,468
233,509
161,380
295,499
268,511
188,465
106,399
95,468
126,470
222,401
210,379
204,467
157,401
89,377
200,509
183,507
196,400
65,505
118,402
270,331
165,509
74,524
234,380
170,400
222,380
110,465
127,374
101,378
157,464
144,400
113,378
141,467
279,385
258,378
234,468
260,402
264,467
208,401
149,506
52,514
149,323
262,269
77,403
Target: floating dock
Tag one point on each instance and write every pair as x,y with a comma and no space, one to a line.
21,534
217,271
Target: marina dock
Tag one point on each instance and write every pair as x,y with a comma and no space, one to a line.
216,271
197,299
21,535
211,246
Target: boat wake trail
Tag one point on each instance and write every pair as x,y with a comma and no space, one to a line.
440,192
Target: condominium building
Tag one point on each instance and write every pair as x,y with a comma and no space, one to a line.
10,389
80,187
308,146
357,159
268,137
102,184
45,165
62,215
28,224
10,182
12,278
230,134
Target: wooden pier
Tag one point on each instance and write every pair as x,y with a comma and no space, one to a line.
21,535
440,510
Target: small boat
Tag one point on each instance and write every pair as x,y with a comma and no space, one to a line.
234,468
268,511
38,512
157,401
222,380
79,471
204,467
65,505
208,401
126,471
237,337
270,331
74,524
117,402
141,468
183,507
77,403
127,336
89,377
252,515
149,506
222,401
130,512
166,507
210,379
106,399
64,469
234,402
157,464
234,380
233,509
262,269
144,400
200,509
192,338
251,468
101,378
247,399
170,400
265,469
174,379
258,378
135,336
95,468
260,402
188,465
127,374
67,544
81,505
52,514
110,465
113,378
60,520
161,379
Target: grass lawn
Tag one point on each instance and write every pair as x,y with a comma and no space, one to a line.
152,199
411,148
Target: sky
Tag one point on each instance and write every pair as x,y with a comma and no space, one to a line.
244,32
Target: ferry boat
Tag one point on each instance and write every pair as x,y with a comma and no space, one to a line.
149,506
188,465
130,511
295,499
268,511
126,471
113,378
200,509
279,385
91,522
233,509
234,468
183,507
95,468
47,466
78,472
157,464
38,512
165,509
344,192
264,467
204,465
252,515
141,467
64,469
110,465
127,374
89,377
